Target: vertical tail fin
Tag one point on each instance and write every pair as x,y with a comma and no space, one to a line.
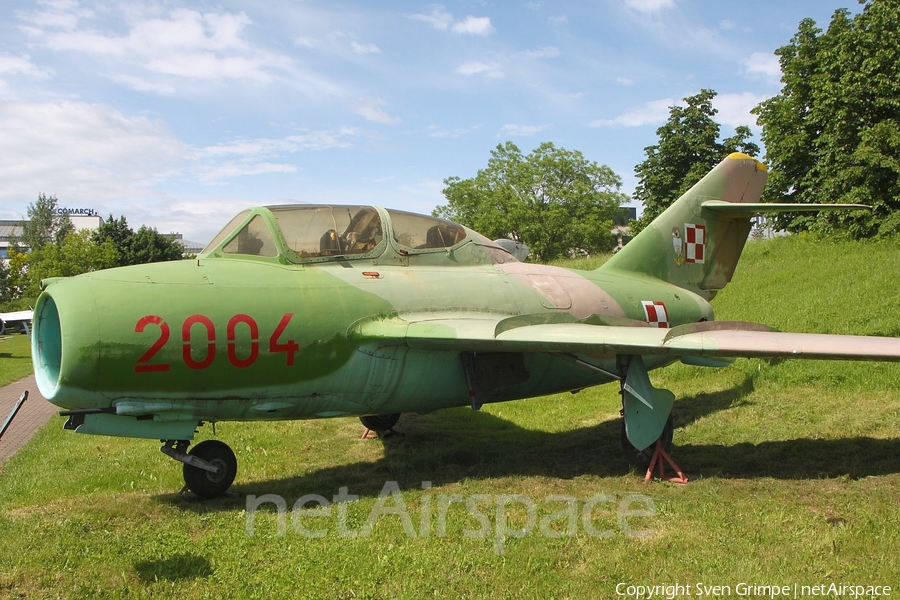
697,241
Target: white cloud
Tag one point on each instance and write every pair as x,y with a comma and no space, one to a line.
140,84
360,48
522,130
490,70
94,155
185,31
442,132
474,26
268,147
187,43
246,157
734,109
63,14
649,113
763,63
648,6
543,52
83,152
306,42
370,108
22,65
232,169
439,18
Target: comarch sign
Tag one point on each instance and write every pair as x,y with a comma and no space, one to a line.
76,212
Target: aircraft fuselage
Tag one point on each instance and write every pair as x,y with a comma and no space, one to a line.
231,339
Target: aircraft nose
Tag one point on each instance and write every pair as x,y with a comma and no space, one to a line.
65,342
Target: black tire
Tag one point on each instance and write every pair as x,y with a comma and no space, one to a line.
641,458
380,423
204,483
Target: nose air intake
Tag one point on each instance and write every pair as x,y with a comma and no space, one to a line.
46,346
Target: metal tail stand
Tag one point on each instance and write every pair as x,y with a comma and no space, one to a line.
659,454
12,415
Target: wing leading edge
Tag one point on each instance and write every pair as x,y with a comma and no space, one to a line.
714,339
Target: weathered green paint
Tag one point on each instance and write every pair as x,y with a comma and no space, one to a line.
287,321
646,408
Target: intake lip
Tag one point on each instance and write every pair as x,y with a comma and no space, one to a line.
46,346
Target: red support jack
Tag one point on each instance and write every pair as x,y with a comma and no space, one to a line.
659,455
379,434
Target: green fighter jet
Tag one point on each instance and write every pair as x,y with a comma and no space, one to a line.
306,311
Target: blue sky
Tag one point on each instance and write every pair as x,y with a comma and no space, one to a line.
180,114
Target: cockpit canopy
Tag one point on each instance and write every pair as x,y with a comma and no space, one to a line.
323,233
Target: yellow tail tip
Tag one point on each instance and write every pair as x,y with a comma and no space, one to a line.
741,156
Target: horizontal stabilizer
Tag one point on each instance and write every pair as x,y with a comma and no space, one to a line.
758,208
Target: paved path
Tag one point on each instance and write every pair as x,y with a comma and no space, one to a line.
35,412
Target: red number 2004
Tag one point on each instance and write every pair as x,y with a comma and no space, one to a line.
196,327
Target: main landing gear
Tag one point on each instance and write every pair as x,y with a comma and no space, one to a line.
646,420
209,468
379,423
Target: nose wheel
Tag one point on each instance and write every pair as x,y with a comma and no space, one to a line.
209,468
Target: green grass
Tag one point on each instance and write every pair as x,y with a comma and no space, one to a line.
15,358
795,468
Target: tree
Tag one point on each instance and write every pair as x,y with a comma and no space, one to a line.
148,245
17,282
833,133
136,248
554,200
5,295
77,254
688,148
44,224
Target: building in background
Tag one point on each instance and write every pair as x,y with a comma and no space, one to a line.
621,222
81,218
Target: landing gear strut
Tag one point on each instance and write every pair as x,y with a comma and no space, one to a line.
646,420
209,468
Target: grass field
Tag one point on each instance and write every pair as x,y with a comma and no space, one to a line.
795,469
15,358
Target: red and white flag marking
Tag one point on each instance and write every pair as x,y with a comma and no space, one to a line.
694,243
656,313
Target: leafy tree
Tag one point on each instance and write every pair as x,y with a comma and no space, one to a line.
136,248
833,133
115,230
554,200
17,282
44,225
4,282
148,245
77,254
688,148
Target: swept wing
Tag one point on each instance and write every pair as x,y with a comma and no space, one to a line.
714,339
